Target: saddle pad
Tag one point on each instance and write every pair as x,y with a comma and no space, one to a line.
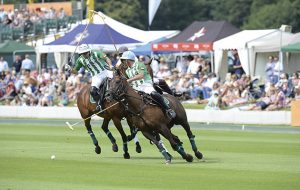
92,99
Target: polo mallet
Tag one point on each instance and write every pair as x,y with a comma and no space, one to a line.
107,30
81,36
71,125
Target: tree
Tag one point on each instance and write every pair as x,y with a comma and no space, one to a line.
274,15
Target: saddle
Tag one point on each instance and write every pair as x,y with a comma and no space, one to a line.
147,99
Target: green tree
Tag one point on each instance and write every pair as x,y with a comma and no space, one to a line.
274,15
126,11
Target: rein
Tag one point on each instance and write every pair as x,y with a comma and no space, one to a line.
120,93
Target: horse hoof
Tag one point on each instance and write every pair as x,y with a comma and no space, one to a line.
115,148
199,155
168,162
138,148
97,149
126,155
189,158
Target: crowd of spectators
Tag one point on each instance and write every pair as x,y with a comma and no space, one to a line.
25,17
192,75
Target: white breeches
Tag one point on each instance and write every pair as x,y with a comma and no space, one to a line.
97,79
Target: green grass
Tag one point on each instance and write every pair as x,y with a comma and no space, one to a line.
233,160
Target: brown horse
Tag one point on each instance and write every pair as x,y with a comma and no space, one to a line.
114,112
150,119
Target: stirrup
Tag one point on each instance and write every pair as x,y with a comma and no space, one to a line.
98,109
171,113
177,94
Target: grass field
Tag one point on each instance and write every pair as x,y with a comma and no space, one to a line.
233,160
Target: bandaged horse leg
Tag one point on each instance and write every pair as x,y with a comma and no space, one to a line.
159,145
138,147
92,135
191,137
118,125
109,135
176,146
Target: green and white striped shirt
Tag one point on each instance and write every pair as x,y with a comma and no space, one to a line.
95,64
138,68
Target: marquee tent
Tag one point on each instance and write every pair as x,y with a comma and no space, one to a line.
96,35
121,35
253,46
131,32
292,54
199,36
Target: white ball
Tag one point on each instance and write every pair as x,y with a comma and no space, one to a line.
52,157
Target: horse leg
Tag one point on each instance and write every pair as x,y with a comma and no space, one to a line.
109,135
92,135
134,131
159,145
189,133
118,125
177,147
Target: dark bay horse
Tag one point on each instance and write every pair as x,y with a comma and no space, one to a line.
114,112
150,119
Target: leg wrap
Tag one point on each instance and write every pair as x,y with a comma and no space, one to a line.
125,147
93,137
194,147
111,138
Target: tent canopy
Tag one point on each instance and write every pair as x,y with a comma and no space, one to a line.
13,46
294,44
198,36
291,48
249,43
146,49
99,35
131,32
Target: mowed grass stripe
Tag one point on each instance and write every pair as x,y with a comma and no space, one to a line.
233,160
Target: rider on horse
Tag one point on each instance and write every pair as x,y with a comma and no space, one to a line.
141,80
158,84
98,64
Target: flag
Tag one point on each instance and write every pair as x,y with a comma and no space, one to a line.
152,8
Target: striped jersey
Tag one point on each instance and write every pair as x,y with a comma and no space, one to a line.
138,68
95,64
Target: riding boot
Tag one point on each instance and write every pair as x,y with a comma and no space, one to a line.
165,87
97,98
158,97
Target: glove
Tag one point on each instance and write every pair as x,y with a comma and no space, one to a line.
68,68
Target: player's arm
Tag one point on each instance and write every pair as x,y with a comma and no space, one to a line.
139,75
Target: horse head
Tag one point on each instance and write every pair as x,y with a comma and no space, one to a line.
118,85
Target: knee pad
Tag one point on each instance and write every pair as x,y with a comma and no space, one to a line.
94,91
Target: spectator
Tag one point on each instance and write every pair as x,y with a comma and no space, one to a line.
278,68
270,69
27,64
3,65
237,66
17,64
194,66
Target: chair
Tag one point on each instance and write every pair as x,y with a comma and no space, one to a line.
50,24
17,33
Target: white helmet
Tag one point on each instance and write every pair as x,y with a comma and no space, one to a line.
129,55
83,48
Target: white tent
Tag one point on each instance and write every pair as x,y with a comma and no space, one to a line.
131,32
61,51
253,47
